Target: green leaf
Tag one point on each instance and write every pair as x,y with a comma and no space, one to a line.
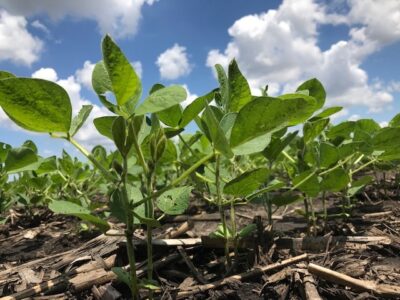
104,126
335,181
100,80
216,133
266,114
247,182
174,201
79,120
162,99
223,83
305,110
255,145
357,185
18,158
4,148
326,113
36,104
343,129
47,165
387,139
328,155
311,130
125,83
69,208
122,135
220,232
277,145
285,198
117,206
122,275
315,89
309,183
239,90
247,230
5,74
395,122
171,116
195,108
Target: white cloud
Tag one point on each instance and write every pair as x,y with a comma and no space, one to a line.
190,97
280,48
174,63
16,43
46,73
118,17
39,25
88,134
84,75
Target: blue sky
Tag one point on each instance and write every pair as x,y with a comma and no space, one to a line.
351,46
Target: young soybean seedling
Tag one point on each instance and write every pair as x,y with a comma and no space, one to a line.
44,106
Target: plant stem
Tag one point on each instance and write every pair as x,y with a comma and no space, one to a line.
129,232
178,180
103,170
221,209
363,166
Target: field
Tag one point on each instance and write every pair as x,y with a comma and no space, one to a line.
266,200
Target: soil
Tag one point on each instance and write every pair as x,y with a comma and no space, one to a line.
29,245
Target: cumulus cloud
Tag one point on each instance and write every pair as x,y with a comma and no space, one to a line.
88,134
118,17
39,25
16,43
174,63
280,48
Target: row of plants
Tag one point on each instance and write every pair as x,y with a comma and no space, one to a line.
248,148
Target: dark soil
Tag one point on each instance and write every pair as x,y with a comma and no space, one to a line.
40,234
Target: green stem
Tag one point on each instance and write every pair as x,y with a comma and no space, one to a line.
363,166
291,159
129,232
221,209
178,180
107,174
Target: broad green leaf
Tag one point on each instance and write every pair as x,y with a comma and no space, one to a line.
305,110
277,145
335,181
285,198
31,145
266,114
311,130
18,158
227,122
70,208
255,145
195,108
104,126
239,90
216,133
47,165
162,99
343,129
122,275
171,116
328,155
221,233
100,80
357,185
247,230
4,148
79,120
315,89
247,182
5,74
367,125
224,84
395,121
174,201
308,183
122,135
326,113
387,139
125,83
36,104
117,206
